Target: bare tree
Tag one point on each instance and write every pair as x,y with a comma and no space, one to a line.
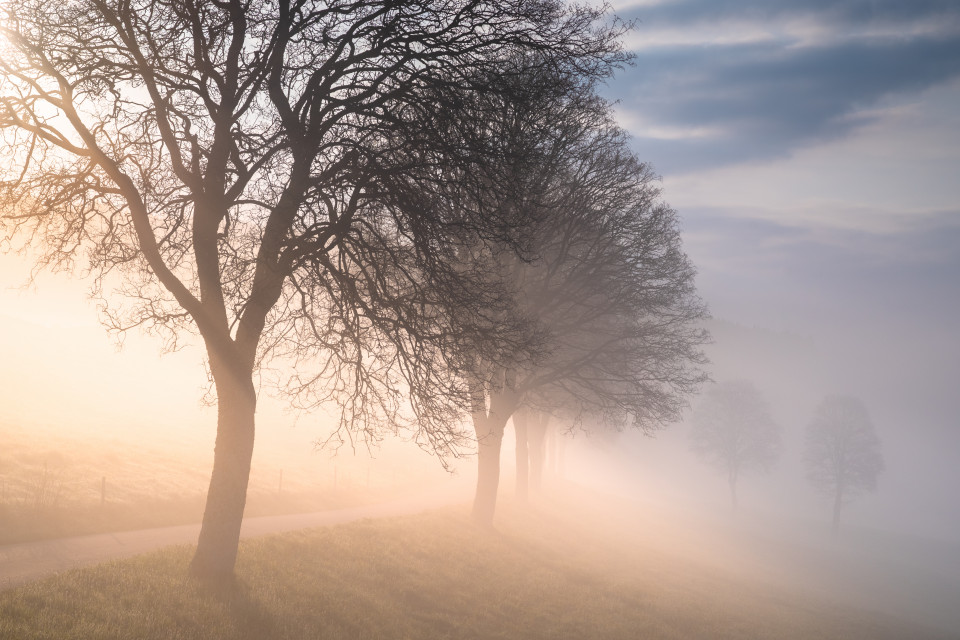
547,415
248,167
734,432
842,452
608,288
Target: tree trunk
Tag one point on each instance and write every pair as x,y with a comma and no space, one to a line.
488,423
523,455
837,506
219,539
489,440
537,437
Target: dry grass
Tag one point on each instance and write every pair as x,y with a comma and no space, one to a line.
56,484
551,573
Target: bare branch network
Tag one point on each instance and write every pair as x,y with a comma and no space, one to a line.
348,187
245,164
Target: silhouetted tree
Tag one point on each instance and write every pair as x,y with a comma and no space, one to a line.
842,452
608,288
249,168
549,413
734,432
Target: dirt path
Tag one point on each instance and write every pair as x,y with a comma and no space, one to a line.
28,561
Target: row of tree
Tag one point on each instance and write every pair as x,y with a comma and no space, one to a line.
733,430
422,209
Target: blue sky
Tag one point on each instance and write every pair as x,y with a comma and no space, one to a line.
721,82
812,148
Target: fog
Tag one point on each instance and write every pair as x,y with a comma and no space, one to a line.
68,387
810,151
83,407
67,384
898,549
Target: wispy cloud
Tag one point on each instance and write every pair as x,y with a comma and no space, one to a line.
723,82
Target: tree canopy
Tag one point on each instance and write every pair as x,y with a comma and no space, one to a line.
250,169
604,285
842,451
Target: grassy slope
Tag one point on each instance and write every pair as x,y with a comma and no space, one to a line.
546,574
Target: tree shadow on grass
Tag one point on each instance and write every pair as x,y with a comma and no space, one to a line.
248,617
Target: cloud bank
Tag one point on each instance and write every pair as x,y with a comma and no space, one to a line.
723,82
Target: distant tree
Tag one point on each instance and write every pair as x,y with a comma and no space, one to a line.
535,423
551,416
255,172
532,426
734,432
842,452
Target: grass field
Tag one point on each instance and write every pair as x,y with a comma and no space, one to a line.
551,572
59,484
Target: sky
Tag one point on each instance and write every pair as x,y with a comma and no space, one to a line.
810,141
812,150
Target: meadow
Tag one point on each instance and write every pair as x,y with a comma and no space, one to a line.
54,483
585,568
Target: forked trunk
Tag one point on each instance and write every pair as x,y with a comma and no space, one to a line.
488,423
523,456
219,539
489,440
